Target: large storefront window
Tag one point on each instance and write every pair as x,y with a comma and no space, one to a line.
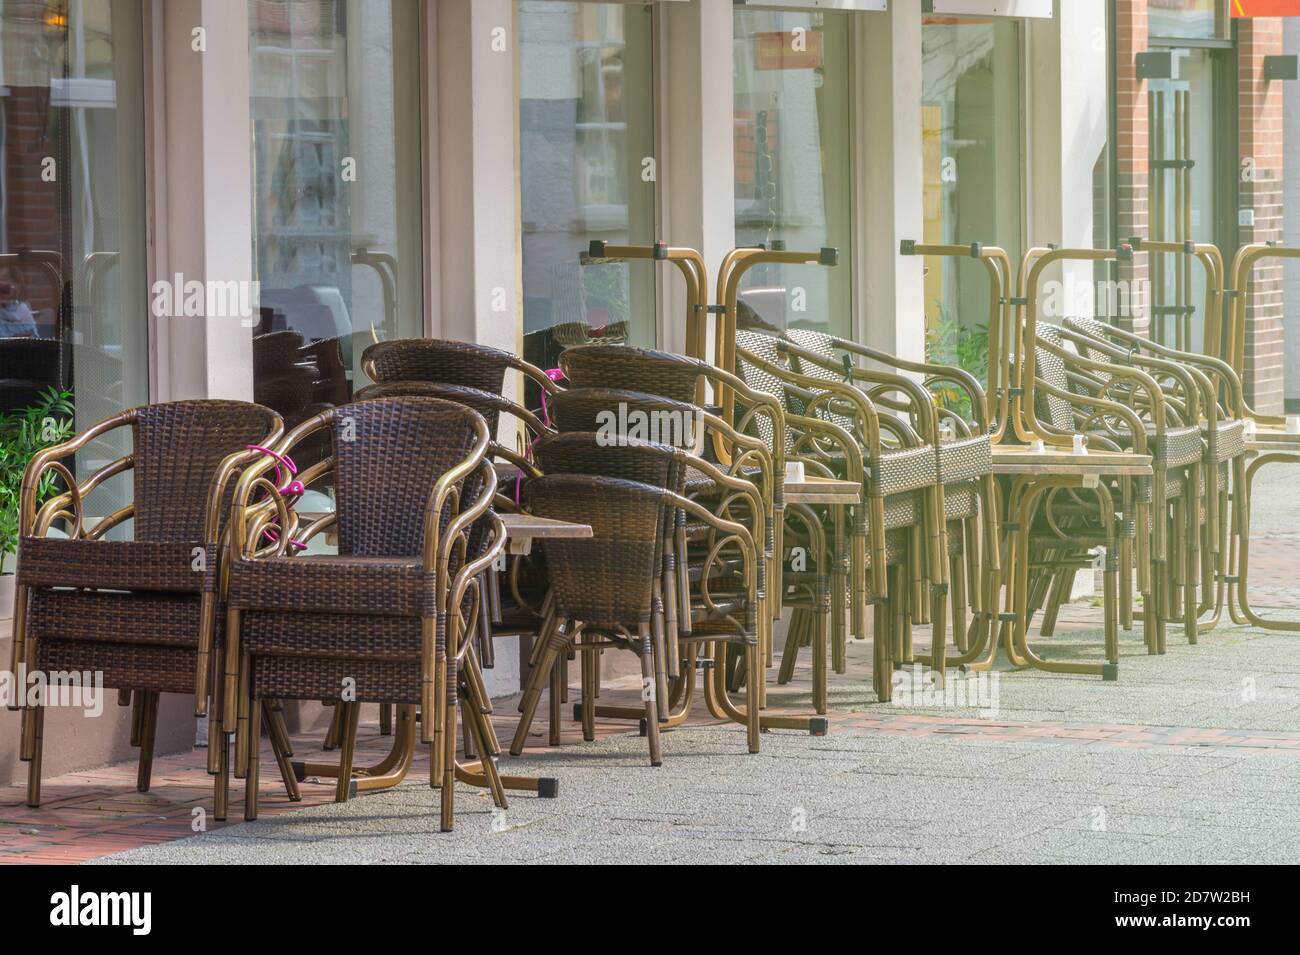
793,156
970,109
73,295
586,171
335,91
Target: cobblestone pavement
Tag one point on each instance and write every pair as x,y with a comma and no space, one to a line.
1192,757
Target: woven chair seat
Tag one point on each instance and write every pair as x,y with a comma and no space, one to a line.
181,566
124,666
328,584
136,619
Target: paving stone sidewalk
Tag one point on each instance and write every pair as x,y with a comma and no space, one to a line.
1190,757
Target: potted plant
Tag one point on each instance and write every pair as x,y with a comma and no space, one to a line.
24,433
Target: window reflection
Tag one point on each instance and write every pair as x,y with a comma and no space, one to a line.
586,125
336,193
792,163
73,302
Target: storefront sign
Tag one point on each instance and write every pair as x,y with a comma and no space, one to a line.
1264,8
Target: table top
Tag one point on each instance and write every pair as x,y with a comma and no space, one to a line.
1020,459
822,490
521,526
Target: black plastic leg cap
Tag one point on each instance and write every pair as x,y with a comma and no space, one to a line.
548,787
1110,671
819,726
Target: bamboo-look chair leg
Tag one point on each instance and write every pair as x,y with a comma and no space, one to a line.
137,717
839,561
754,683
37,716
957,594
648,692
554,699
1062,585
335,729
472,720
882,642
241,724
1191,552
252,772
447,798
351,715
273,714
218,754
821,639
661,661
148,735
589,664
540,677
793,640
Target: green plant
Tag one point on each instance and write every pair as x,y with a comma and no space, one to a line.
949,342
24,433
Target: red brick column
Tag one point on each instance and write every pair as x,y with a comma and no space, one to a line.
1131,152
1260,138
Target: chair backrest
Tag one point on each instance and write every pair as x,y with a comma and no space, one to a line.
439,360
585,452
178,447
823,346
620,415
388,454
486,403
1051,368
605,580
1090,328
639,369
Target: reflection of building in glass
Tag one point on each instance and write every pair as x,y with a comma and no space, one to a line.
586,130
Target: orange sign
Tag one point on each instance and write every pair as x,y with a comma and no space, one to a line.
1265,8
797,49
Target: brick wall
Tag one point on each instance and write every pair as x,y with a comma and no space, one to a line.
1131,149
1260,140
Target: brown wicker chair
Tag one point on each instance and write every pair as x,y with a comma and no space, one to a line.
604,588
377,622
146,611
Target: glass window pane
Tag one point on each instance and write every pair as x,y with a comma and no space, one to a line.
586,130
1192,19
336,192
792,164
73,294
970,109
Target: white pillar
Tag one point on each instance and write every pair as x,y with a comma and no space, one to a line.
891,313
208,194
478,180
1066,132
697,145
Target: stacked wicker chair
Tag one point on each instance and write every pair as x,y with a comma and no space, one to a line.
474,375
383,620
966,555
144,611
897,537
1214,531
610,591
1118,408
